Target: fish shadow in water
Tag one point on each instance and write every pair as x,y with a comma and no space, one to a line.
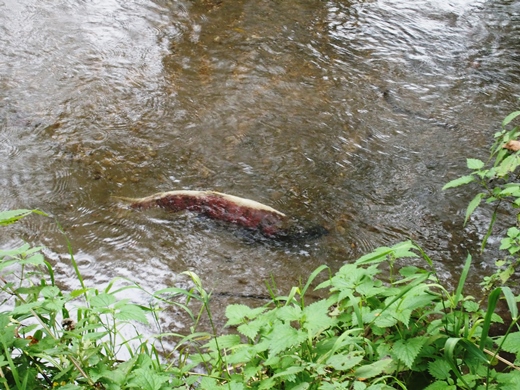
296,236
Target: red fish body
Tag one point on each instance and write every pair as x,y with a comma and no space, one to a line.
222,207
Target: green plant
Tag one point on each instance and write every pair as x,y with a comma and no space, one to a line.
499,183
50,338
367,334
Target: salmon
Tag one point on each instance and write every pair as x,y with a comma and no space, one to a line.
243,212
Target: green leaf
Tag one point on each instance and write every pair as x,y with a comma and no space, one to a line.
283,337
36,259
289,373
224,342
474,163
439,369
252,328
377,256
407,350
358,385
26,308
50,291
345,361
511,302
404,249
11,216
372,370
237,314
492,303
459,182
316,317
509,164
131,312
289,313
441,385
472,206
513,189
147,379
462,281
510,342
509,118
102,300
471,306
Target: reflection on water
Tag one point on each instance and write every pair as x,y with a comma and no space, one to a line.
348,114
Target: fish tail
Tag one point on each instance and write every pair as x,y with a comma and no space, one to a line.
125,199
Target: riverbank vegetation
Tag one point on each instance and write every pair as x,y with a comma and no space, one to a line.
382,324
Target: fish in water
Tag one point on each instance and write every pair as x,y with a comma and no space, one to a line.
243,212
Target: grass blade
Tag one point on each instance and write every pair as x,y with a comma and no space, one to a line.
462,281
492,304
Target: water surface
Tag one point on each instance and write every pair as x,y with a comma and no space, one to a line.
349,114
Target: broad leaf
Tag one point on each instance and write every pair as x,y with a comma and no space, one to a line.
459,182
510,343
284,336
237,314
474,163
439,369
316,317
102,300
407,350
343,362
441,385
372,370
252,328
131,312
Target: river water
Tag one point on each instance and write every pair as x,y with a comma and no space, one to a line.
349,114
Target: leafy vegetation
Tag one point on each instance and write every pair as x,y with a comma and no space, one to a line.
382,324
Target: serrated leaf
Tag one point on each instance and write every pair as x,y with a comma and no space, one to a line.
289,373
459,182
237,313
407,350
284,336
441,385
474,163
510,190
50,291
343,362
102,300
146,379
372,370
358,385
289,313
439,369
36,259
14,252
511,342
131,312
316,317
386,320
224,342
26,308
251,329
471,306
509,164
472,206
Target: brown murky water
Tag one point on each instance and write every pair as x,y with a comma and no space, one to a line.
351,114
